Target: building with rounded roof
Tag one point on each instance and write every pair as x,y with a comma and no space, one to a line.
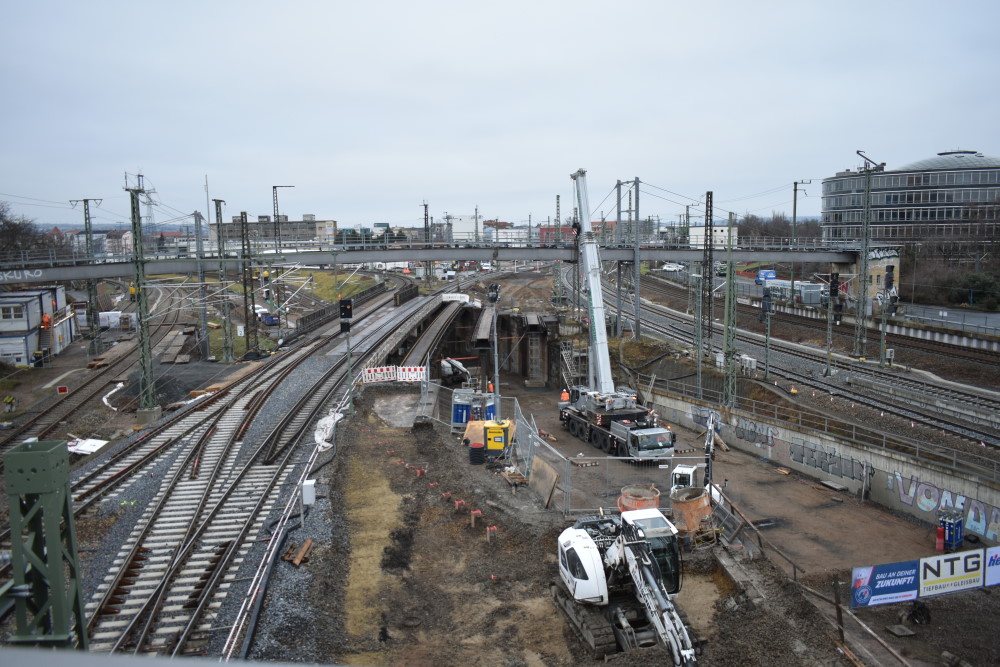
954,195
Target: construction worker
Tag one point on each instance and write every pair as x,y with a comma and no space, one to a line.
131,291
46,320
489,387
9,403
564,396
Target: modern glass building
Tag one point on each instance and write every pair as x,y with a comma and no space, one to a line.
955,195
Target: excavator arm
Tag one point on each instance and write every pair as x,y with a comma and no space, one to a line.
661,611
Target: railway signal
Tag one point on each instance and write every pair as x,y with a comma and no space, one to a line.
346,313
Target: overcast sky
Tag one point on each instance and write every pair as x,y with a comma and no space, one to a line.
371,108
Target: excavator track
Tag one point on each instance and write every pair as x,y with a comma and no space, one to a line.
589,623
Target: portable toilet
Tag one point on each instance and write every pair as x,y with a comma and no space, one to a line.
461,406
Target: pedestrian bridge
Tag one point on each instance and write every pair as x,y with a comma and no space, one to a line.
57,266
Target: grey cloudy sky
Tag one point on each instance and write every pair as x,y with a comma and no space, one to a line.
370,108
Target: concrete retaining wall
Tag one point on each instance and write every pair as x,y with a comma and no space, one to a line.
885,477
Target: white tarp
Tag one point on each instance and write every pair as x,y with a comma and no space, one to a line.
85,445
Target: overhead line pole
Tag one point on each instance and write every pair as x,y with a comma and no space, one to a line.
149,411
861,316
203,346
228,356
795,240
636,264
618,267
93,307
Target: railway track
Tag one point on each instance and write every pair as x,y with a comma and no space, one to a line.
215,492
94,385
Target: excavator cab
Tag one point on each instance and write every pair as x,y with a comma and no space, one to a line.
663,547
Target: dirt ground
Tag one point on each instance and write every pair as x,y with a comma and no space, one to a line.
422,585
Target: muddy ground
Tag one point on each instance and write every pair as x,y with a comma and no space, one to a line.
423,584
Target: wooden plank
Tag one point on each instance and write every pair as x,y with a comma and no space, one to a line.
301,555
543,479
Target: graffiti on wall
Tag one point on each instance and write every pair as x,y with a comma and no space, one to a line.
828,460
980,518
752,432
699,415
20,275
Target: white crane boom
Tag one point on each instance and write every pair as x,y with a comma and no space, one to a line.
601,379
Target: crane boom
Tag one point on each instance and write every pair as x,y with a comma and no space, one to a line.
600,361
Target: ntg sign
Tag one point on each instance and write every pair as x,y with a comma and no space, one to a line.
908,580
952,572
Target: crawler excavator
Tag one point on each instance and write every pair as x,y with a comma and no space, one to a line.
618,576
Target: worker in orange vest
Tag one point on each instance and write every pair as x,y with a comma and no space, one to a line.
489,387
564,397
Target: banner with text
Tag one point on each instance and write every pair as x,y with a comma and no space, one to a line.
950,573
884,584
394,373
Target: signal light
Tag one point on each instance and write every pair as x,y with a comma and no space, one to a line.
890,274
834,285
346,309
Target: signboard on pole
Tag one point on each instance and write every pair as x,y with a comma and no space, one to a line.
884,584
949,573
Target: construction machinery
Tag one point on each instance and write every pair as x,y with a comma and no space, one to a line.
693,476
618,577
454,372
609,418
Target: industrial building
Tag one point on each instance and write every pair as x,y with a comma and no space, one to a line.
34,325
954,195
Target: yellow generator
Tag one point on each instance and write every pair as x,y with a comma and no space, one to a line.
496,436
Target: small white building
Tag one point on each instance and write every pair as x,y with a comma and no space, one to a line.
34,325
720,236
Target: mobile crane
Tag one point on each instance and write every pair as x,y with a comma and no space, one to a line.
608,418
618,576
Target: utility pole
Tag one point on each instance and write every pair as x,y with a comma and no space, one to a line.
494,296
686,239
887,304
276,284
861,317
203,345
277,227
832,307
225,306
477,225
93,307
698,333
148,411
729,347
616,238
795,240
707,273
427,242
636,268
766,307
249,310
